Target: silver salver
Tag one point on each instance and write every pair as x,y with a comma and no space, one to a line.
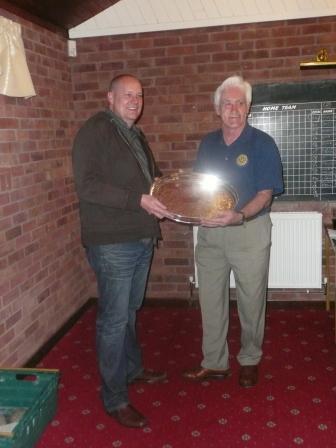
191,197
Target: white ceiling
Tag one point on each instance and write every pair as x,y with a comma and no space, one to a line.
139,16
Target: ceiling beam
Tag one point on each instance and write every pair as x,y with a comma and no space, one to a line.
56,15
31,17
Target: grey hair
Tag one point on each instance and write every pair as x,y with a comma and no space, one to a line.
233,81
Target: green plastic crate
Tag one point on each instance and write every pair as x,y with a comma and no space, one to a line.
33,390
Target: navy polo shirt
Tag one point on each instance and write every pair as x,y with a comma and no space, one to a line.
250,164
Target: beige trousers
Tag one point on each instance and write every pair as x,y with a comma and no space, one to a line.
244,249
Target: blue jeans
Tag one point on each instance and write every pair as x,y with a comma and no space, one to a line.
121,270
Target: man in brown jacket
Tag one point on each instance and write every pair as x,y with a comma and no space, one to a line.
114,169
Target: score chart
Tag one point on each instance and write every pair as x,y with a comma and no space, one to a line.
305,135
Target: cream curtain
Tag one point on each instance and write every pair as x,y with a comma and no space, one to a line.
15,79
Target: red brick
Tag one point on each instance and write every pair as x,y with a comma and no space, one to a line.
31,329
152,53
7,135
180,50
316,28
13,233
4,199
255,34
15,256
10,209
285,52
166,41
195,39
224,36
7,337
176,262
139,43
197,59
13,319
164,61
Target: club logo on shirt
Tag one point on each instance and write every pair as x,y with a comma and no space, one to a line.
242,160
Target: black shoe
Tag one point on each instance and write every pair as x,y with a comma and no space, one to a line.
202,374
149,376
248,376
128,416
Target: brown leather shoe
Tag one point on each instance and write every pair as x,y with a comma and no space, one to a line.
150,376
129,416
202,374
248,376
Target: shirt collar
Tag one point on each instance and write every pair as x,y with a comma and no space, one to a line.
121,123
245,135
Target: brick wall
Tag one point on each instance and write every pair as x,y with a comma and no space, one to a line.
180,71
43,279
44,275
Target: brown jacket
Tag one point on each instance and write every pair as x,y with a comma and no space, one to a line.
109,183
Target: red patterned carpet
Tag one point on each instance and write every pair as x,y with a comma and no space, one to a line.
294,404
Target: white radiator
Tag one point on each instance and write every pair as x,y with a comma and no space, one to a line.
296,252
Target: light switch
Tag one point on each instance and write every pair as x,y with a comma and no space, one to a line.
72,48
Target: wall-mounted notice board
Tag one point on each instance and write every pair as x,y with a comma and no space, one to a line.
302,120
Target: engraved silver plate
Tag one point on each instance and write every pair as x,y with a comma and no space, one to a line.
191,197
